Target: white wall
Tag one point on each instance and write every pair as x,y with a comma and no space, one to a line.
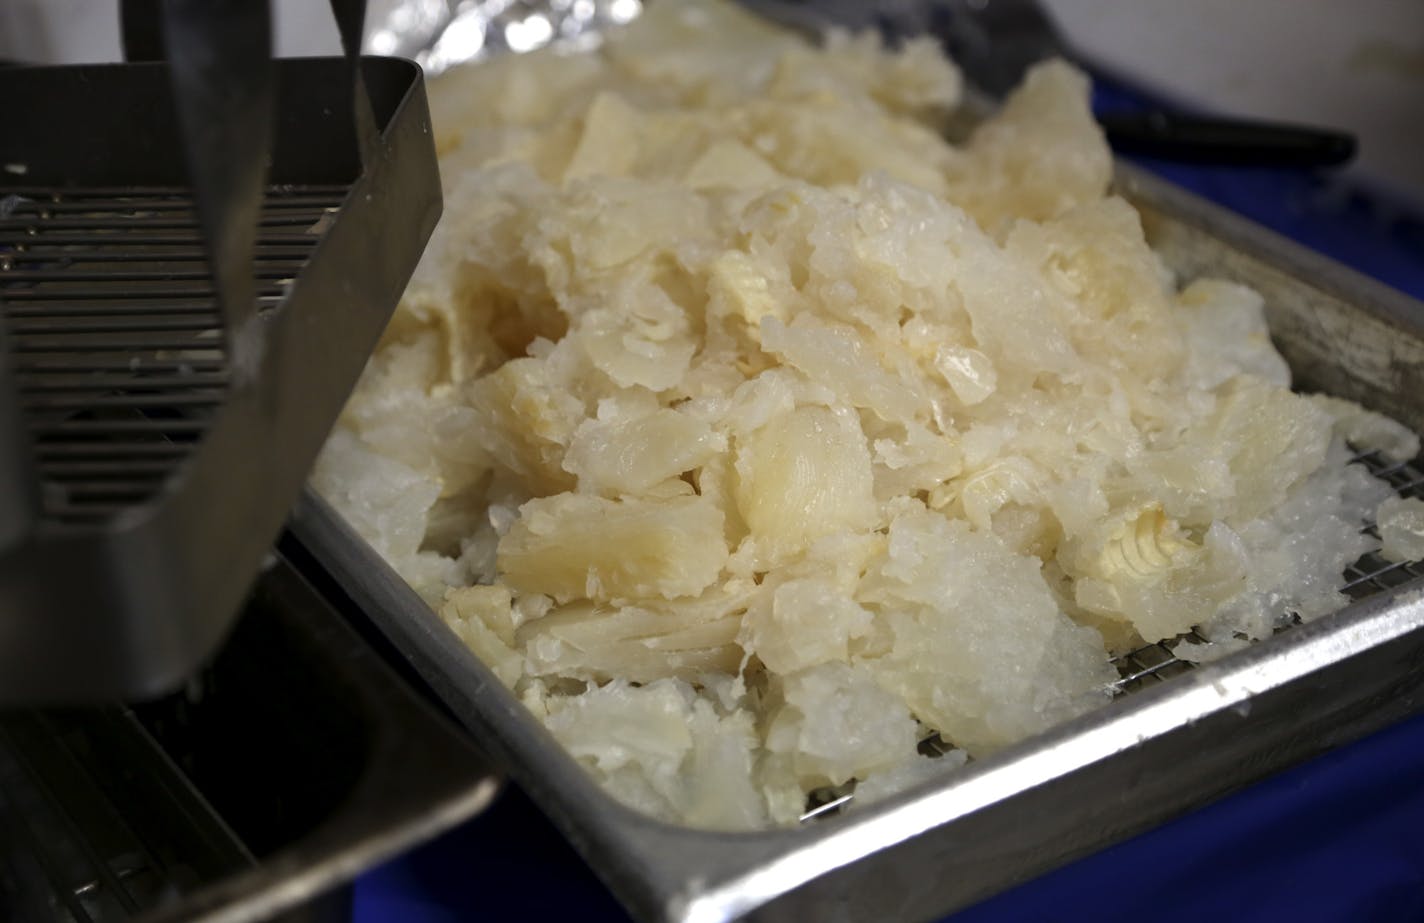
1351,64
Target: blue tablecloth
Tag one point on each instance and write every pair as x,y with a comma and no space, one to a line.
1340,838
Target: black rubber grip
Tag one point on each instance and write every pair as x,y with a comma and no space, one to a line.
1241,142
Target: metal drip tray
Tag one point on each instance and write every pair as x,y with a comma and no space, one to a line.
99,822
294,761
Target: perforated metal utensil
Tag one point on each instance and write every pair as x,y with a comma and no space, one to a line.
164,437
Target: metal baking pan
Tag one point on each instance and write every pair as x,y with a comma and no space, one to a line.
1180,737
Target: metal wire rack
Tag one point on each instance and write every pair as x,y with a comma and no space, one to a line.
1156,663
1153,664
117,338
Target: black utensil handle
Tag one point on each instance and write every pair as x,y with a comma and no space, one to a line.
141,30
1209,140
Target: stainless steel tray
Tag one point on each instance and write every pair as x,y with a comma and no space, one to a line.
1183,736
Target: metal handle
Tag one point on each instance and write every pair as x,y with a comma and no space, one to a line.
141,30
351,23
222,79
222,74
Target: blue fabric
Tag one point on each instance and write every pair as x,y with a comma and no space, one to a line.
509,863
1337,839
1340,838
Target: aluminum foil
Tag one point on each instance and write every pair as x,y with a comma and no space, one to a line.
438,34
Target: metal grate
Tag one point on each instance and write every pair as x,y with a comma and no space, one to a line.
97,825
116,339
1153,664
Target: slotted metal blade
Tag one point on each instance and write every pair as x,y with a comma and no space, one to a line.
18,499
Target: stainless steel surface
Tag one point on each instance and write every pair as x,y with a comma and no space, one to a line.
223,82
108,304
294,761
82,842
1148,756
118,346
381,773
